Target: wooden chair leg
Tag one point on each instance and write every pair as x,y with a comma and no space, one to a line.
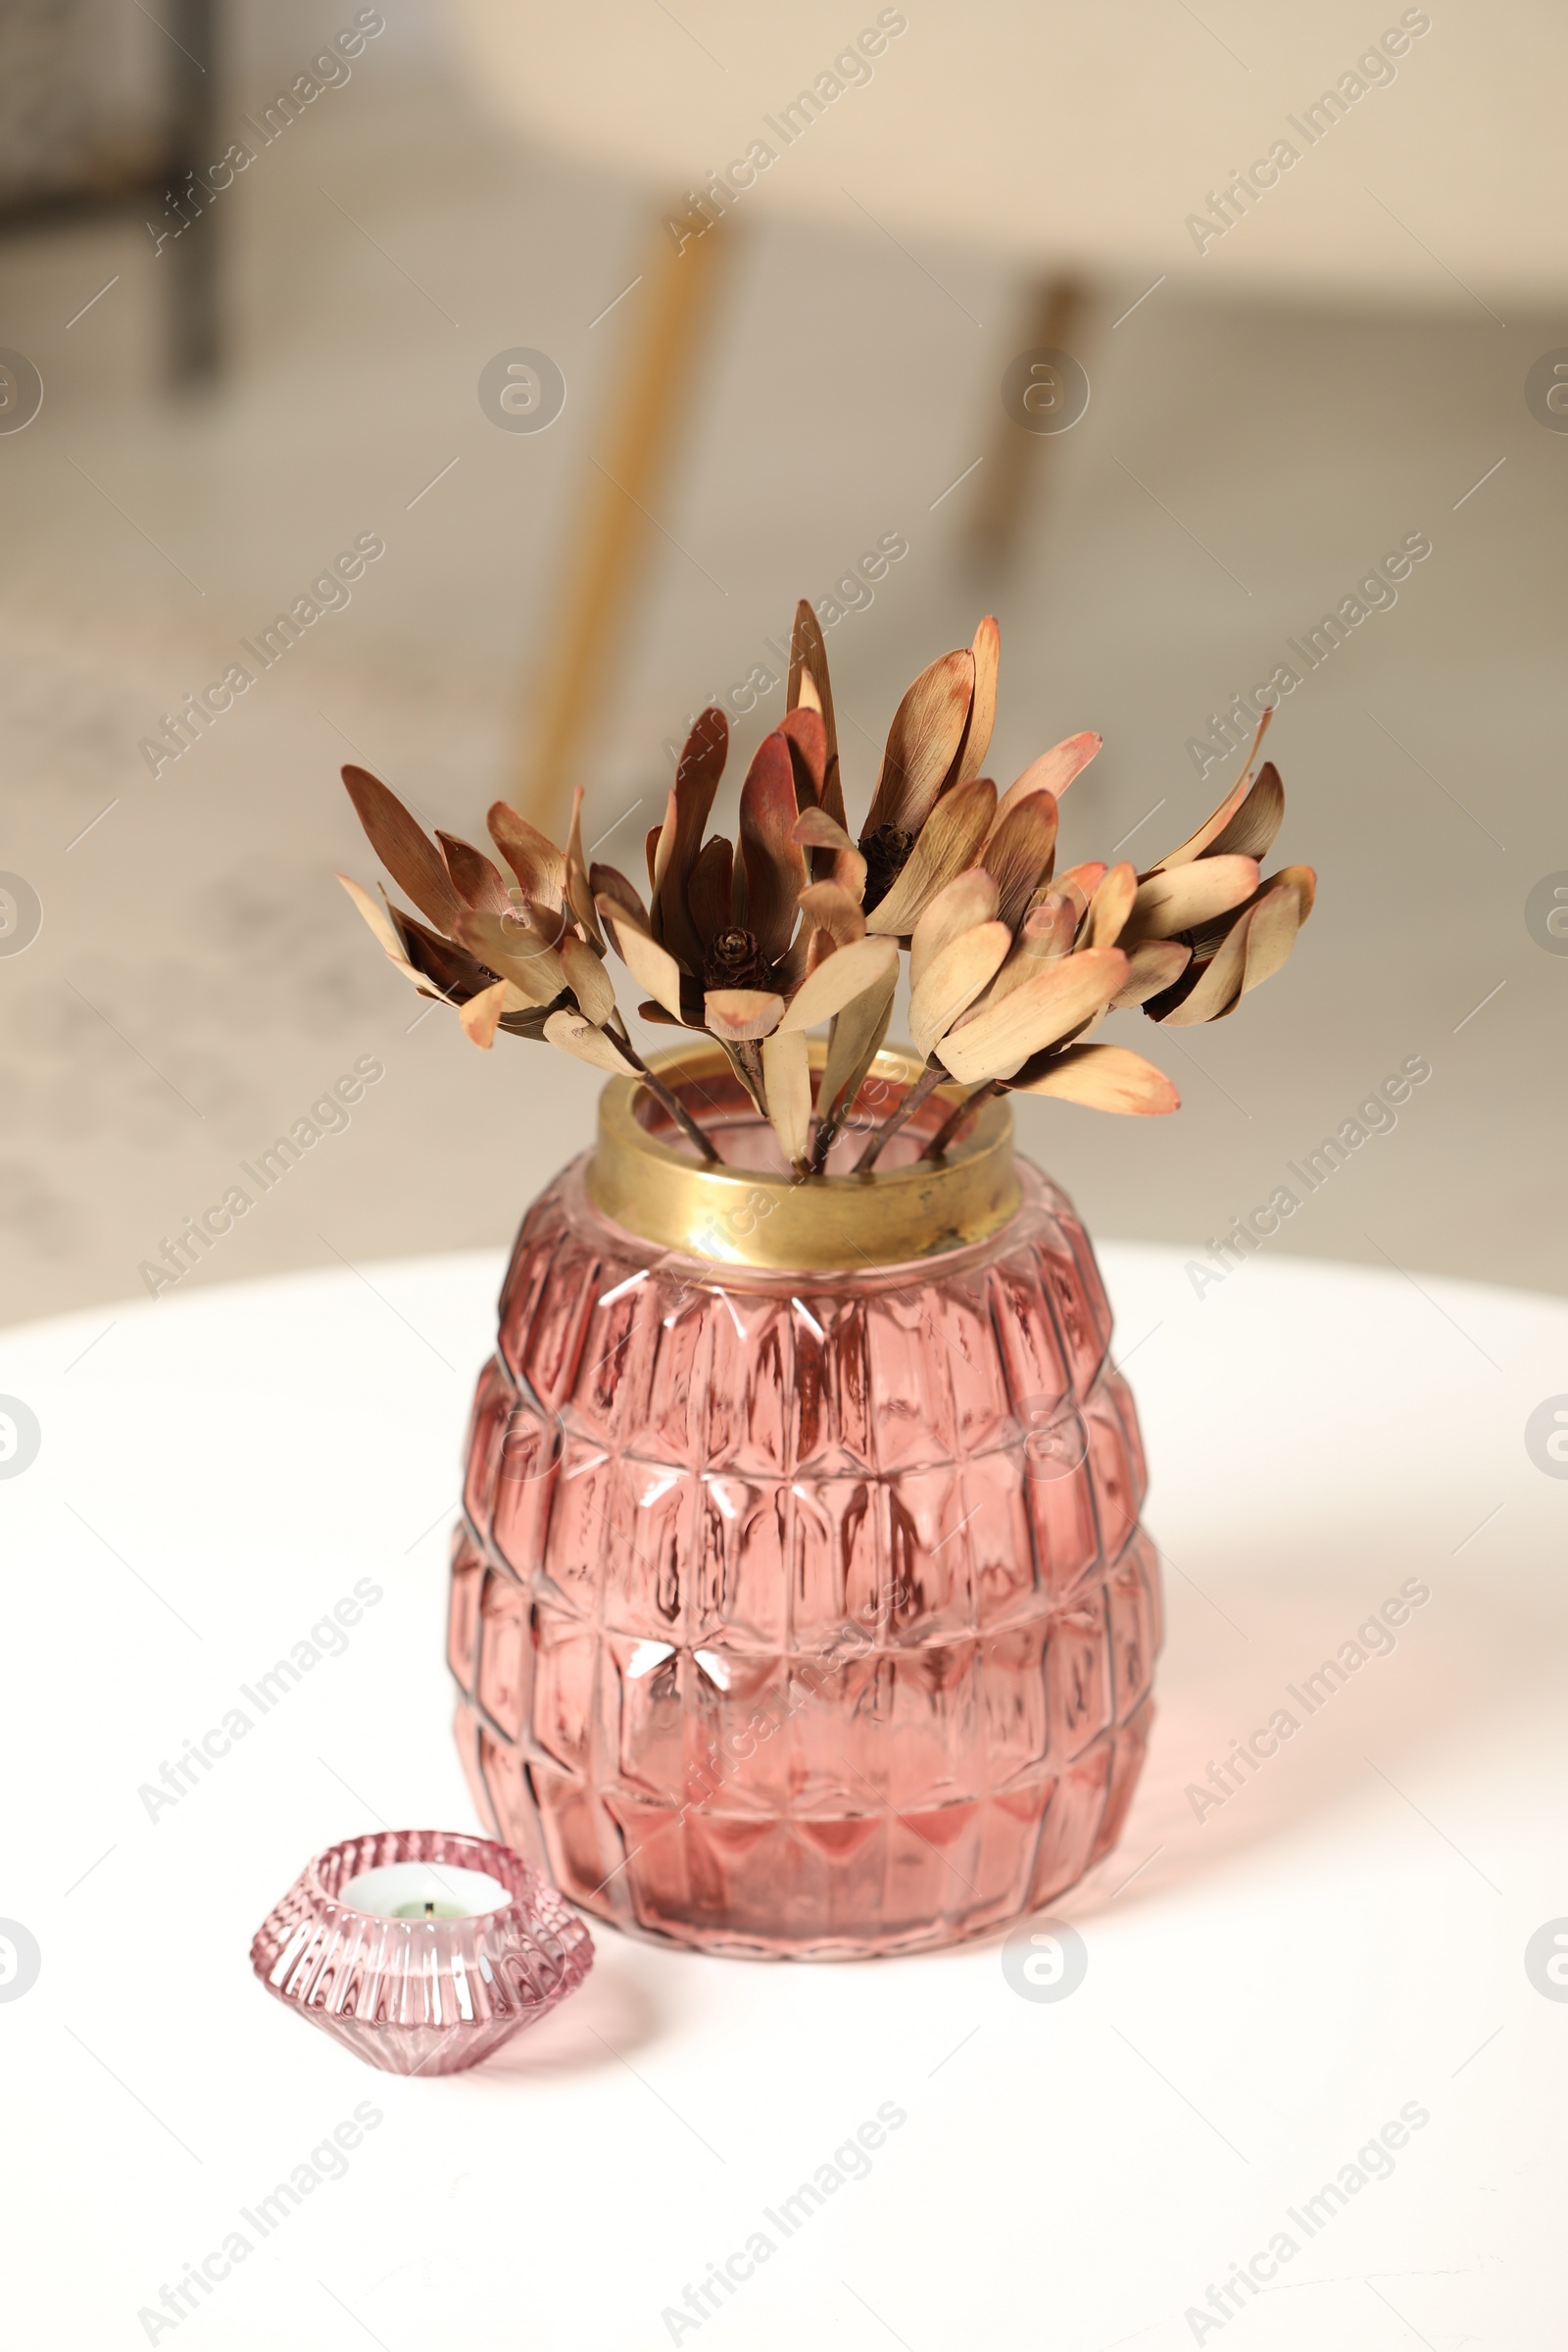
1017,462
651,395
193,263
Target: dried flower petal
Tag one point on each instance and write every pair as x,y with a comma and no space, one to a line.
1177,898
987,652
579,890
947,842
652,966
924,744
787,1078
477,883
1101,1078
1110,906
413,863
968,901
952,980
737,1015
1020,853
587,979
832,909
773,861
1050,1004
846,975
540,867
1051,772
481,1014
585,1042
854,1043
1153,966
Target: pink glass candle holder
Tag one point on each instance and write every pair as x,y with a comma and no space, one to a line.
421,1950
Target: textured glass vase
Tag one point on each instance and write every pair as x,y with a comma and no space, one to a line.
798,1605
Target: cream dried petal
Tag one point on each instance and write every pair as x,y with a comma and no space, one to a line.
482,1014
987,652
846,975
1179,898
1151,967
587,979
966,902
951,981
1103,1078
585,1042
737,1015
652,966
787,1081
1048,1006
854,1043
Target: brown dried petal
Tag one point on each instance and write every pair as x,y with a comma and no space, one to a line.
412,860
924,744
854,1043
808,658
774,861
709,891
1051,772
1020,855
987,651
803,732
949,841
587,979
477,883
1196,844
532,855
1252,831
579,890
609,882
702,763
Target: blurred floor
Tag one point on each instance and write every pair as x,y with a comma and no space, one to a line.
199,979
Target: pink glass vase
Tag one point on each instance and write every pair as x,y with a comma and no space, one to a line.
800,1607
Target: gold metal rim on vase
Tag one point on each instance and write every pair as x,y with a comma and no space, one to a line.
740,1217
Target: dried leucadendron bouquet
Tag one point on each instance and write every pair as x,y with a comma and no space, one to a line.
1012,965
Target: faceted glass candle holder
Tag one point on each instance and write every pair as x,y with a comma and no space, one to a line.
421,1950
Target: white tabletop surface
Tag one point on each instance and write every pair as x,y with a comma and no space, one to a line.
1342,1940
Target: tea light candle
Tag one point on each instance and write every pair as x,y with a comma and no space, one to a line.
424,1890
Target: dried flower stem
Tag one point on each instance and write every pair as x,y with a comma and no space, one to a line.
958,1117
663,1095
931,1076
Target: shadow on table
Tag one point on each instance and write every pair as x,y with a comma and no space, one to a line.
610,2016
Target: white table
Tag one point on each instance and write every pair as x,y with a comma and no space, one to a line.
1265,1988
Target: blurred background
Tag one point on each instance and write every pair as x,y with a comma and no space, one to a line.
215,377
